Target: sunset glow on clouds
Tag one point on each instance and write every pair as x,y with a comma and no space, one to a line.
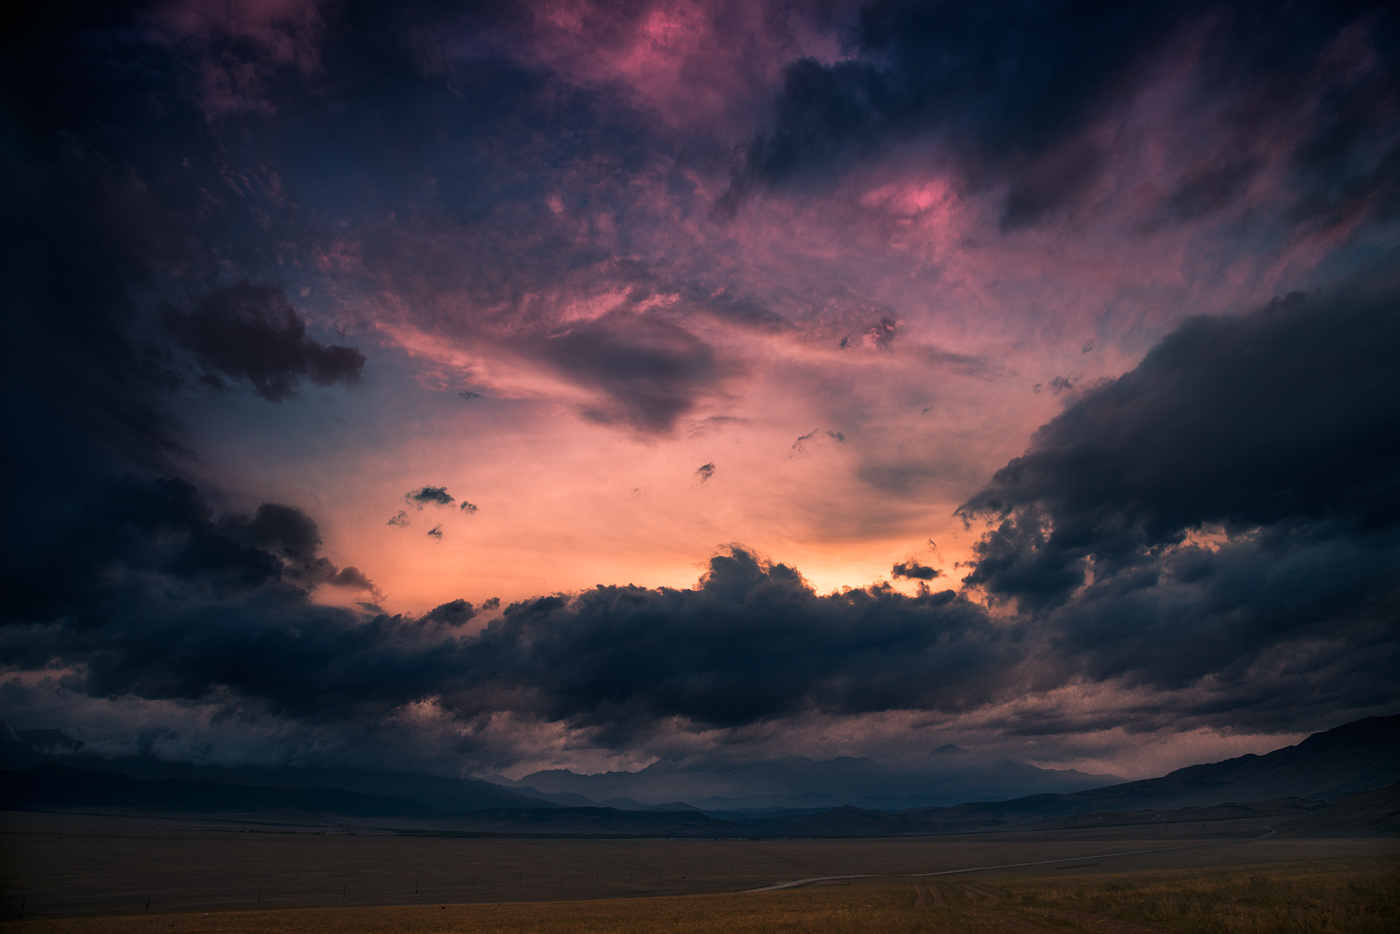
779,378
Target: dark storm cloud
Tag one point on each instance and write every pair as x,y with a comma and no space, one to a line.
1287,418
162,531
293,537
141,176
1013,91
82,235
187,607
182,611
247,331
122,196
277,529
1231,504
752,642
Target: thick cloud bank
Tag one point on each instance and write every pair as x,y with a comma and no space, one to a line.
1226,512
698,227
1216,526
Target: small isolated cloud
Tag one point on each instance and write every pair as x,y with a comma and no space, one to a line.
913,570
437,495
705,472
1088,346
800,445
468,394
468,508
436,532
400,520
1059,384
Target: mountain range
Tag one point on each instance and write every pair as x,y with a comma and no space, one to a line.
950,775
1344,779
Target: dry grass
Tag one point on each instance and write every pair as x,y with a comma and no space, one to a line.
65,865
1322,897
1351,897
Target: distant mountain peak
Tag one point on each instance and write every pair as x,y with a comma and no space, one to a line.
949,750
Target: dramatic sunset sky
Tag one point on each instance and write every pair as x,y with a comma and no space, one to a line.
478,388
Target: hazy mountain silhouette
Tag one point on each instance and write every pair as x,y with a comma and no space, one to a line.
1340,782
31,747
950,775
1359,756
49,785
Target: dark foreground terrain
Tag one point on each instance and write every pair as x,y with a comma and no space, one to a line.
65,864
1325,896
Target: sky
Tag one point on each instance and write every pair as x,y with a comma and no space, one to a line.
482,388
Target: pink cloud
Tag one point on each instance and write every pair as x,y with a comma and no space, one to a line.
241,44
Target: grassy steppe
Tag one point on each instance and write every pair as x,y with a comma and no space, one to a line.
1317,897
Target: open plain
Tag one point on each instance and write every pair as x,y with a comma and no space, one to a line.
1326,896
75,872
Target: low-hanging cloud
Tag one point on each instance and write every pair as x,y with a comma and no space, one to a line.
190,606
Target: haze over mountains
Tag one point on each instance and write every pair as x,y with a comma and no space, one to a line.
28,748
951,775
1356,765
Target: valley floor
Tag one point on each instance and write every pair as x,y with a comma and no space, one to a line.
87,866
1338,896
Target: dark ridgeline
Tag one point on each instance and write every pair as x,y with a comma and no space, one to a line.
1341,781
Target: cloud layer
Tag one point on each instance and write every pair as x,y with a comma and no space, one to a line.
1217,523
273,264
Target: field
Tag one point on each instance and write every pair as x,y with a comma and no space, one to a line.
1345,897
70,873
